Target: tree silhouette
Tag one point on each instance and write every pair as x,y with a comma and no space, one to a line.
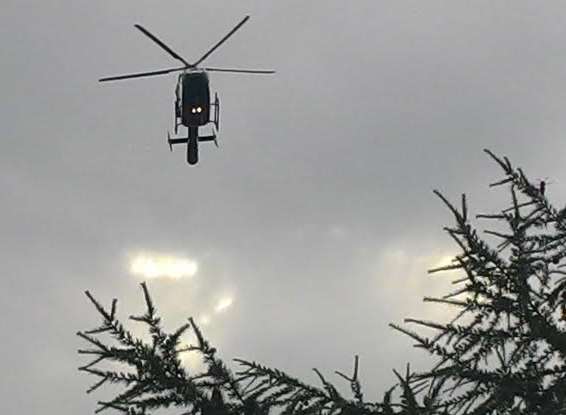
510,355
503,353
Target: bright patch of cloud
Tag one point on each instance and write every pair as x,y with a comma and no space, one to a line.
223,304
192,360
204,320
162,266
444,261
402,275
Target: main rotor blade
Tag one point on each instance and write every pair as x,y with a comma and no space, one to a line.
230,33
258,71
140,74
163,45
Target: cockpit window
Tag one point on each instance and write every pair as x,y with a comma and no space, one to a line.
195,89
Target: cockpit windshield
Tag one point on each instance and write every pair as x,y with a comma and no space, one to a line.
195,89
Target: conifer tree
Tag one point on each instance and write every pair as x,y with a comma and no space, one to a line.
508,357
503,353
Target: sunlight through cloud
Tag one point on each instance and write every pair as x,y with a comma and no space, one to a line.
223,304
445,261
192,360
162,266
413,280
204,320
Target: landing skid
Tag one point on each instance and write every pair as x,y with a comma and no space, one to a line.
192,143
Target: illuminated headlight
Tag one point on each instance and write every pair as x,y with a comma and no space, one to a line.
199,109
193,110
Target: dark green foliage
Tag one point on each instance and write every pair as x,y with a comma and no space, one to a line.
157,378
503,353
509,357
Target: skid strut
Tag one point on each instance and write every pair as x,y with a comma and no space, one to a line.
174,140
216,105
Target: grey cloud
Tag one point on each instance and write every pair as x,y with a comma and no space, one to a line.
374,105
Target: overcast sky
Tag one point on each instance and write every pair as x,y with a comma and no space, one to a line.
313,225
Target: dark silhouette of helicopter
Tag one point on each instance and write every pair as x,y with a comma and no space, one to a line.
192,103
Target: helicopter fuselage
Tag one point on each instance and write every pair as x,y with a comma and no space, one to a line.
193,98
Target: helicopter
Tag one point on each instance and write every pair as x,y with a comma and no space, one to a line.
193,108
